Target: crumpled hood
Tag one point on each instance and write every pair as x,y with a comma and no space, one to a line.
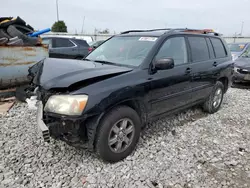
62,73
242,63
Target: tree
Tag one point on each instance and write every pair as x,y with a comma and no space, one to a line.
59,26
105,31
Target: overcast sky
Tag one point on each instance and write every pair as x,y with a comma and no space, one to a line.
226,16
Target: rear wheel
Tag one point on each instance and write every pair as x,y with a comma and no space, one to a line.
213,102
118,134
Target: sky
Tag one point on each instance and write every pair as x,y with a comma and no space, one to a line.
225,16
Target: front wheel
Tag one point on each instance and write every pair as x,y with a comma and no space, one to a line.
118,134
213,102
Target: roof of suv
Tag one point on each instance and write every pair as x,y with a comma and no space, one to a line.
159,32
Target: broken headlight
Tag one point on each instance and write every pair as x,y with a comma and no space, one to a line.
66,104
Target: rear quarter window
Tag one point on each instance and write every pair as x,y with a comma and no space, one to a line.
62,43
199,48
210,47
82,43
219,48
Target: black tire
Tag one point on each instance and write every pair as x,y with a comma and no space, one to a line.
23,29
3,40
103,132
4,34
14,32
209,106
22,93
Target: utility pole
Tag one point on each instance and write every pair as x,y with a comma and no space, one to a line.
242,25
83,23
57,10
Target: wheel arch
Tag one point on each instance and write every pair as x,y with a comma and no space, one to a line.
224,80
93,123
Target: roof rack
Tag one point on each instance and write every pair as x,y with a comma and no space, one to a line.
199,31
133,31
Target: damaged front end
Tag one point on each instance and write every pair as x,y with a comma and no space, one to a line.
61,110
70,129
58,126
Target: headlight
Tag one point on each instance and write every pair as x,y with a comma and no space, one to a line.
236,69
66,104
244,70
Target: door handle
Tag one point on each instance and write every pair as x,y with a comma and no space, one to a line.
188,71
215,64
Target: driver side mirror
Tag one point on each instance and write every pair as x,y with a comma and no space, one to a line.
164,64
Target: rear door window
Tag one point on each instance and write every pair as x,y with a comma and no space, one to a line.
219,48
62,43
210,47
199,48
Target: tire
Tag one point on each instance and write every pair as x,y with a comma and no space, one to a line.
23,29
209,105
14,32
22,93
104,132
3,40
4,34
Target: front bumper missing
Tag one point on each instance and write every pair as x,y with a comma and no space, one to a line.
42,128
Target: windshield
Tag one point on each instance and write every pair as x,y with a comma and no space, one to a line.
236,47
246,53
128,51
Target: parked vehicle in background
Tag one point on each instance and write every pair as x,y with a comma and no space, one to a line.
242,68
237,49
67,48
103,101
88,39
95,44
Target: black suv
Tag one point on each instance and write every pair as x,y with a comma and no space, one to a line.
68,48
103,101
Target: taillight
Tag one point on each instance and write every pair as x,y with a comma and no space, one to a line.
90,49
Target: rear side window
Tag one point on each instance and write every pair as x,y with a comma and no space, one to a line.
210,48
199,48
82,43
62,43
218,48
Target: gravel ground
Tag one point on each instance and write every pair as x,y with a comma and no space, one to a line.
191,149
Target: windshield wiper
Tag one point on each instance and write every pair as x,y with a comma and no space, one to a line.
105,62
